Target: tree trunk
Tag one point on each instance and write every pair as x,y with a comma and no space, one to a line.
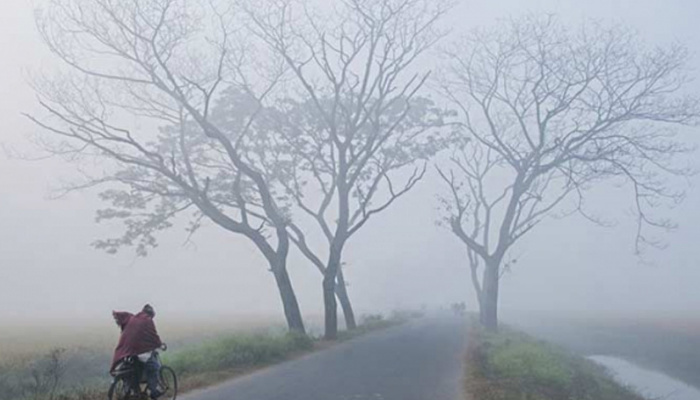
289,298
342,293
330,306
329,290
481,312
489,301
476,284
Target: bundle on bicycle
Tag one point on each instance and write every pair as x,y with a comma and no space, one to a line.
136,367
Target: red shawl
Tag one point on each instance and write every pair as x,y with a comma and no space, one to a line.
138,336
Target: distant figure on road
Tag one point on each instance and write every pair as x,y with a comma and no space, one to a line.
459,309
139,338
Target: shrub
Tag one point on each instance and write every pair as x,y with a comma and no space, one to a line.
371,318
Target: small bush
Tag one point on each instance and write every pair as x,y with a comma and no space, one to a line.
371,318
40,378
530,363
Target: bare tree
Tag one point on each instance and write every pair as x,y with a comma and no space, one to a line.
163,64
356,120
280,165
548,113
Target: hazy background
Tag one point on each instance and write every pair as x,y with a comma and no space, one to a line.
48,271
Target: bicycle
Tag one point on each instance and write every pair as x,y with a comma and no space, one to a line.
130,381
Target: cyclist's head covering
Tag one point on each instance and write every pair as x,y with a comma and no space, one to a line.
148,309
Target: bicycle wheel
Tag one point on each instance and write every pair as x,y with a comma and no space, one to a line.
118,390
168,383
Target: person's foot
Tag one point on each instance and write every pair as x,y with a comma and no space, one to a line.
155,395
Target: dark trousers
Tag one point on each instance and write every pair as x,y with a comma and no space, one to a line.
151,369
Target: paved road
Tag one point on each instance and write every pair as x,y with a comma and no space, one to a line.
421,360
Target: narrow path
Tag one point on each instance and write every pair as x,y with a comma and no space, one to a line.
421,360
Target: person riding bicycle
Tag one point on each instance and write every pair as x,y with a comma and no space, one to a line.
139,338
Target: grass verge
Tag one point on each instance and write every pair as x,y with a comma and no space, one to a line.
511,365
229,356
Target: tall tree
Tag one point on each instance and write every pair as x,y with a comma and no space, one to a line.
547,114
356,119
388,172
137,94
270,146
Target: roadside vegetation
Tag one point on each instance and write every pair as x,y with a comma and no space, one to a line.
80,373
228,356
510,365
663,343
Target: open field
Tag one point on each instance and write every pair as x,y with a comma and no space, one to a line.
28,339
668,344
51,361
83,351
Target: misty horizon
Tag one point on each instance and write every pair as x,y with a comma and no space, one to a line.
402,259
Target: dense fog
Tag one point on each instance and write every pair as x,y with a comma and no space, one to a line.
401,259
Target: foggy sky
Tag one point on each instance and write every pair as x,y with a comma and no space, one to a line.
401,258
